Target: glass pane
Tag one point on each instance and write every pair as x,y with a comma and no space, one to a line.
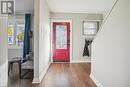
90,24
20,34
61,37
10,33
89,27
89,31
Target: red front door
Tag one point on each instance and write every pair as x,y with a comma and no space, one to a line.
61,41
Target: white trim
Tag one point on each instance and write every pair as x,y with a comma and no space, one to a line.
105,18
35,80
38,80
95,81
44,72
60,62
71,34
91,20
81,61
75,61
106,15
14,20
14,47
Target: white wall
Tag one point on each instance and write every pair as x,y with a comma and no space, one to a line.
23,6
36,40
78,39
111,47
41,39
3,52
44,37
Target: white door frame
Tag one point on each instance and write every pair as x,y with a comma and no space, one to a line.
71,30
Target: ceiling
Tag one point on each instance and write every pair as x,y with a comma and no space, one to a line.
80,6
67,6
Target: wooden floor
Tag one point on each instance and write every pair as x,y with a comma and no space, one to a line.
60,75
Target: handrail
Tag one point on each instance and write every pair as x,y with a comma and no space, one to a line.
104,21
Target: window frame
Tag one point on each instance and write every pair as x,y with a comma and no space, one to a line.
82,28
15,22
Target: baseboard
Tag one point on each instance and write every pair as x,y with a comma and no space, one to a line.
38,80
95,81
81,61
44,72
60,62
4,74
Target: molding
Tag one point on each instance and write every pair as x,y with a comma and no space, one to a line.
59,62
81,61
38,80
35,80
105,18
95,81
4,74
109,12
44,72
91,20
14,47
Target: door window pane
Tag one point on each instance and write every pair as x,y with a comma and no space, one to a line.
61,37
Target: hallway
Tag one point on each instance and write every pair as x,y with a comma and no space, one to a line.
62,75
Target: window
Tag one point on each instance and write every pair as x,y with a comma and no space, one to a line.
16,33
10,33
20,34
90,27
61,37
